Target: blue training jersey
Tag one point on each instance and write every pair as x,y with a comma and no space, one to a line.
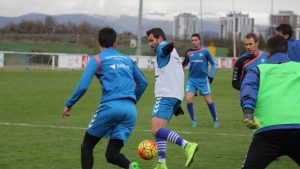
198,59
119,77
294,49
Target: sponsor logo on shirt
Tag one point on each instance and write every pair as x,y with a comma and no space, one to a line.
120,66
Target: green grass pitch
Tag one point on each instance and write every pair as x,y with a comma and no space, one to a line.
33,135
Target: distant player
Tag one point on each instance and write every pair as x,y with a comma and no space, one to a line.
199,59
286,31
248,60
122,86
169,92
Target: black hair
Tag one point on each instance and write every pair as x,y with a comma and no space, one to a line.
277,44
196,35
156,33
107,37
285,29
252,35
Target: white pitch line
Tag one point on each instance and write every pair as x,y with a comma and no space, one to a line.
82,128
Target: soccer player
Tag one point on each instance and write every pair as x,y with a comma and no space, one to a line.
122,86
270,102
248,60
286,31
199,79
169,92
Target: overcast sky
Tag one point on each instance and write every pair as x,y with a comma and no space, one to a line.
259,9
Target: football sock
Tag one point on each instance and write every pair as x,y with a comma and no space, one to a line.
190,108
161,149
212,110
171,136
113,154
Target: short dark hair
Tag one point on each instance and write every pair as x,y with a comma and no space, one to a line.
277,44
252,35
285,29
156,33
107,37
196,35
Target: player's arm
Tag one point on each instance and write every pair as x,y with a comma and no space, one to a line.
164,49
186,58
168,48
84,82
213,66
248,96
237,73
140,81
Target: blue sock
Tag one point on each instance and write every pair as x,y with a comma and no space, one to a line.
190,108
171,136
212,110
161,149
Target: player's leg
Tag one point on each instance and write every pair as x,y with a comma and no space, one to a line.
190,93
212,109
162,113
87,148
262,151
291,141
113,154
206,92
158,123
124,113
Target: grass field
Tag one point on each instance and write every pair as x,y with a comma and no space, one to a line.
33,135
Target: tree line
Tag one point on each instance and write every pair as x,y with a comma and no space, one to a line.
47,26
85,34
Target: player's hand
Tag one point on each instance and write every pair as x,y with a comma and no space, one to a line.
249,120
210,79
168,48
178,111
66,112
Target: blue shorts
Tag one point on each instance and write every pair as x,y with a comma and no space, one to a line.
201,84
114,119
164,107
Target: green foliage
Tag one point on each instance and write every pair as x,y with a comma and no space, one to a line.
37,98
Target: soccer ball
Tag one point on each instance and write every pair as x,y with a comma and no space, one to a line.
147,149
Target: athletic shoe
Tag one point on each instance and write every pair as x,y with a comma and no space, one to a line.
194,123
190,150
134,165
216,124
161,166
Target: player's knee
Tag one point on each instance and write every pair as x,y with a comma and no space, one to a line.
189,99
154,131
110,156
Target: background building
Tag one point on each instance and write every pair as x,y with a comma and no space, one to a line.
185,25
243,25
287,17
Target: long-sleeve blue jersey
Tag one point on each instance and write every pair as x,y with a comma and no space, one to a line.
294,49
118,75
198,59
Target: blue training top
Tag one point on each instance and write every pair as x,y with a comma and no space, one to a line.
294,49
118,75
198,59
